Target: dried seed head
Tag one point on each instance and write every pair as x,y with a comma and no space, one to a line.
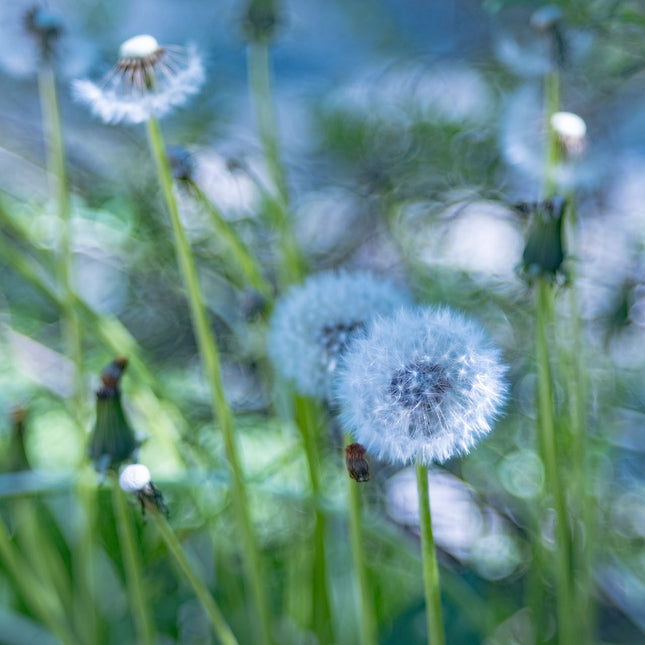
420,386
148,80
357,464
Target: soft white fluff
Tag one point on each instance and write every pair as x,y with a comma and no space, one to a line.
421,386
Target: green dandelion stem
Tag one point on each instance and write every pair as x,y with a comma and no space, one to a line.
259,72
243,258
210,357
207,601
58,175
429,559
369,628
547,434
552,105
306,420
132,565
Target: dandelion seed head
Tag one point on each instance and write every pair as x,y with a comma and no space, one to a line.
314,324
134,478
423,385
148,80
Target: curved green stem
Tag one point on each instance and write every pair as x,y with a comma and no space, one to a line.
429,558
210,358
207,601
246,262
369,628
546,427
132,564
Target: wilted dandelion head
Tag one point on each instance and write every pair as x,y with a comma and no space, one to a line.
314,323
148,80
423,385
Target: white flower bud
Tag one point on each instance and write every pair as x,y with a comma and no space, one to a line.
571,130
134,478
139,47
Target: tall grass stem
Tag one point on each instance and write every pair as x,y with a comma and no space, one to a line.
207,601
210,358
133,570
547,435
368,624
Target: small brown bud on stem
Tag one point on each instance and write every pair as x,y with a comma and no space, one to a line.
356,460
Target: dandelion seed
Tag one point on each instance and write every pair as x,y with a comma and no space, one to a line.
314,323
423,385
135,479
148,80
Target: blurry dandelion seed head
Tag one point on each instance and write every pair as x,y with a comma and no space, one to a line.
148,80
571,131
423,385
314,324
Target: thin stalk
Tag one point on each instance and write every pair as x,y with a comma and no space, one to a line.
133,570
546,428
578,401
552,105
77,406
429,560
65,260
209,354
246,262
369,628
207,601
259,72
42,601
321,605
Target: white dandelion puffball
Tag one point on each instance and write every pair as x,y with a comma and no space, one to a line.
134,478
421,386
148,80
313,324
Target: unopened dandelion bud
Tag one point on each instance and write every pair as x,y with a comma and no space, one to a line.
571,131
260,20
46,28
420,386
182,164
548,21
17,460
544,252
356,461
112,441
135,479
148,80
